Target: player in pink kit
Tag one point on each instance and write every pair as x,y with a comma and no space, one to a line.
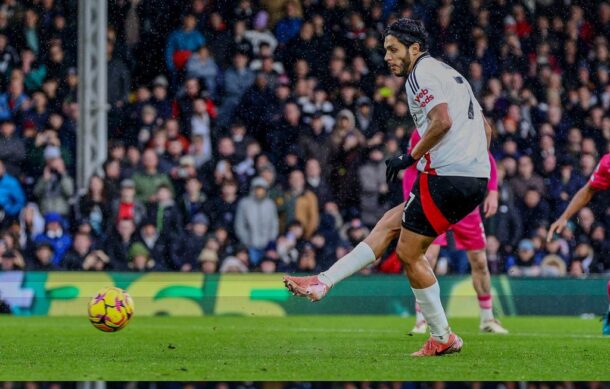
599,181
470,236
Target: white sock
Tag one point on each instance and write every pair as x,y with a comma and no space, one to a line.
486,307
486,314
419,317
429,300
354,261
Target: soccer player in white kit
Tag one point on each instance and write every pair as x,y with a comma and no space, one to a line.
454,170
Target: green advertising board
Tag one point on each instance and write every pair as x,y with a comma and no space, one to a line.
194,294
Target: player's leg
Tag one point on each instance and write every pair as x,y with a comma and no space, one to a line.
421,327
411,251
365,253
423,220
439,202
481,280
469,235
434,251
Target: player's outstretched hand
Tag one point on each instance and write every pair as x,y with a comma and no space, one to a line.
396,164
558,226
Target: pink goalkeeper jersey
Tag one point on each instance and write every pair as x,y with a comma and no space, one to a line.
411,173
600,179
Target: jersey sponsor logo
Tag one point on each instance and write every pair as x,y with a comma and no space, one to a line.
423,98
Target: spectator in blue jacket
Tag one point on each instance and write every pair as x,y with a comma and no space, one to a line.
182,43
56,236
12,198
13,101
237,80
289,26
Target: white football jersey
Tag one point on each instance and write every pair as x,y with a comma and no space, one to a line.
463,150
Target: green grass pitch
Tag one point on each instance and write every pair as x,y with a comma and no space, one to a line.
296,348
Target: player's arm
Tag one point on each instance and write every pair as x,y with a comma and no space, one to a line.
582,198
488,132
439,124
490,205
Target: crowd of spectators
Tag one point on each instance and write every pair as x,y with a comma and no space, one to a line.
251,135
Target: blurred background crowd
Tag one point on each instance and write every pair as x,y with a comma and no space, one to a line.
250,135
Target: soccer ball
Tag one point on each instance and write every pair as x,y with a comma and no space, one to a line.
110,309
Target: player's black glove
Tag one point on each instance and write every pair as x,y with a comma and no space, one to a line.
396,164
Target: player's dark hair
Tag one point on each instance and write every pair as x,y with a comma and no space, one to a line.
409,31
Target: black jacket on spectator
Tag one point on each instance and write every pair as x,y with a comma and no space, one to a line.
35,265
73,261
119,81
506,225
601,257
299,48
315,145
253,110
219,43
187,249
117,250
221,213
168,219
281,137
98,215
160,252
539,215
189,208
344,179
12,152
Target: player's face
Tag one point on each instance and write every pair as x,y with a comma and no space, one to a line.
396,56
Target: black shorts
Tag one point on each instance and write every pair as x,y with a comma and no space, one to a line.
437,202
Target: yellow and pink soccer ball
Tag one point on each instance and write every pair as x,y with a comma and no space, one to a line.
111,309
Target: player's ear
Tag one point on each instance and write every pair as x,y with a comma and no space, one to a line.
414,49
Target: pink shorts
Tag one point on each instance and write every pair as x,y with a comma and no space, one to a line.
469,233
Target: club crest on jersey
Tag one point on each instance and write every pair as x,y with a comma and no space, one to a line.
423,98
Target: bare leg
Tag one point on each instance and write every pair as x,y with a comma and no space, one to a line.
386,230
481,279
410,250
366,252
420,322
432,254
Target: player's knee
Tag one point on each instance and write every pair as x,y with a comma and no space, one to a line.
384,223
386,218
432,255
478,263
480,269
407,257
